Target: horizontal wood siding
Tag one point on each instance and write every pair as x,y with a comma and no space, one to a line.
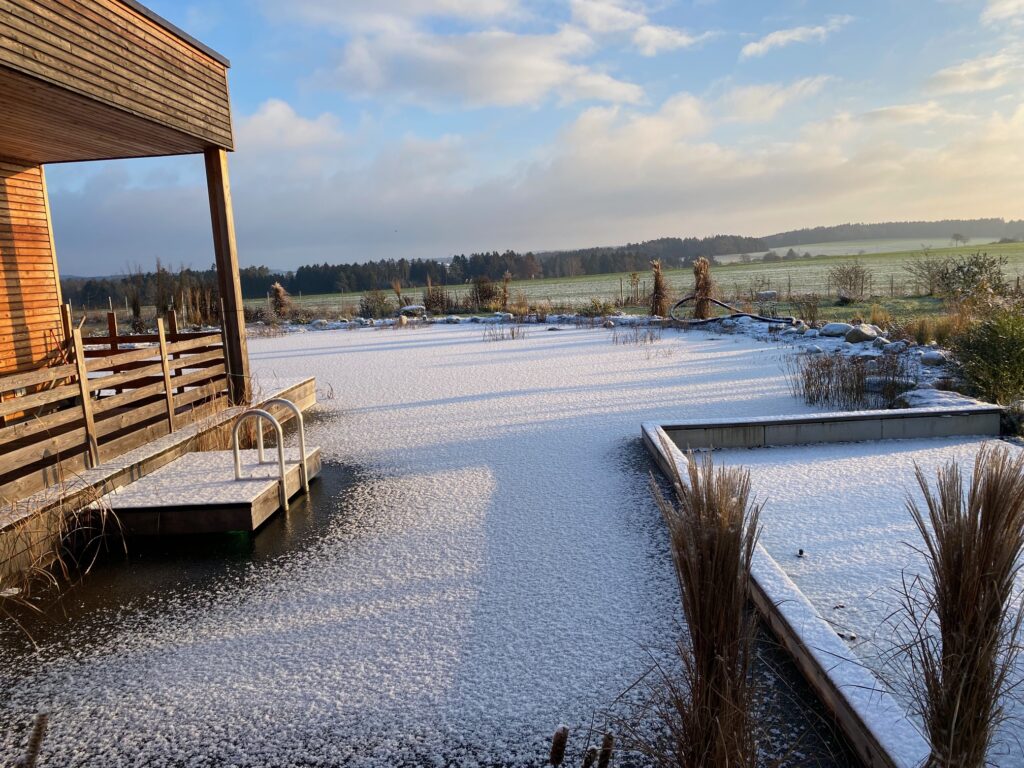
30,325
107,51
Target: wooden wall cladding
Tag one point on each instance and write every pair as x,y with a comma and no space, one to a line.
109,52
30,323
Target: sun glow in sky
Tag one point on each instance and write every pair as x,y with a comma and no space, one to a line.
372,129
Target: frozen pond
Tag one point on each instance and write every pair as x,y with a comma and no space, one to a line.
480,562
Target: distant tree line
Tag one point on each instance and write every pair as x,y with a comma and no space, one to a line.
673,252
941,230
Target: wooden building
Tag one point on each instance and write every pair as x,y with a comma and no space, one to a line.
99,80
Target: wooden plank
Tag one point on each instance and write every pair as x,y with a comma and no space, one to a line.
109,361
129,442
92,445
126,399
46,397
197,361
40,424
134,417
124,379
54,447
32,378
168,391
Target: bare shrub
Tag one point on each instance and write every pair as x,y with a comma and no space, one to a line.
806,307
958,676
926,274
852,280
713,528
703,289
636,335
659,290
374,304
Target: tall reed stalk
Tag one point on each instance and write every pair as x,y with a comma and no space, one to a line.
703,289
659,290
713,527
962,627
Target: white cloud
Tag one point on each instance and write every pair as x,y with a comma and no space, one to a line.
603,16
276,125
761,103
652,40
479,68
1003,11
784,37
984,73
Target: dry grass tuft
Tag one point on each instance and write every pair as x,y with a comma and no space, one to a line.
703,289
850,383
659,290
502,332
959,675
713,527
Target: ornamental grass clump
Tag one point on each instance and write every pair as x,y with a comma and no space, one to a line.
960,626
703,289
713,528
659,290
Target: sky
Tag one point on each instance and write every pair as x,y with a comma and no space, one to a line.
369,129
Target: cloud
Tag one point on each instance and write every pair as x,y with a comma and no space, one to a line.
1003,11
784,37
615,174
372,13
476,69
276,125
603,16
652,40
984,73
913,114
761,103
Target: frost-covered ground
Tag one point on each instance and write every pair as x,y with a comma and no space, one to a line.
844,507
493,568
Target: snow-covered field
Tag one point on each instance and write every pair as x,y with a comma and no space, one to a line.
496,567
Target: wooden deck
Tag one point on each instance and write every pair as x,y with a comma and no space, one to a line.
199,494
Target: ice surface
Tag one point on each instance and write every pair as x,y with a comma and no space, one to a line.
507,572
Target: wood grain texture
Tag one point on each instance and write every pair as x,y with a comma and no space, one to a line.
113,77
30,324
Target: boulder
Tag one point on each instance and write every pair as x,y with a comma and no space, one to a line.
745,320
728,323
895,347
836,329
861,333
880,342
608,324
811,333
814,349
933,357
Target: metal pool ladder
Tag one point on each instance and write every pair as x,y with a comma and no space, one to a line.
260,414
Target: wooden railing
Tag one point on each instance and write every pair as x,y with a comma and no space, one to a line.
113,394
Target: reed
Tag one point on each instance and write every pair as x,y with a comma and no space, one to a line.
713,529
960,627
659,290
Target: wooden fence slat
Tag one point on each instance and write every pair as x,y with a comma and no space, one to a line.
32,378
83,383
47,396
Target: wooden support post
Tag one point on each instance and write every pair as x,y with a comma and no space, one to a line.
226,251
164,363
114,346
92,446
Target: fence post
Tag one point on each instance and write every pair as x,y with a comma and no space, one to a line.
92,446
169,393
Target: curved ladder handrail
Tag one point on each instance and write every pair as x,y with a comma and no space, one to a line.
256,413
303,466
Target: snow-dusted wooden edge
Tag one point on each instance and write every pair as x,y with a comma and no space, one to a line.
875,724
